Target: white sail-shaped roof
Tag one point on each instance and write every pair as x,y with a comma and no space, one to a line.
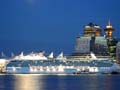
60,56
21,55
3,55
51,55
31,56
12,54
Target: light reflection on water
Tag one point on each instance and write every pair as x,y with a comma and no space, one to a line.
55,82
27,82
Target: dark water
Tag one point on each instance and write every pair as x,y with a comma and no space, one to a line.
59,82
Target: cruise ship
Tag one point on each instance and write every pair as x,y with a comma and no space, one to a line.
38,63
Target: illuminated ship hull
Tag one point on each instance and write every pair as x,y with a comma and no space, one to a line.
37,63
60,66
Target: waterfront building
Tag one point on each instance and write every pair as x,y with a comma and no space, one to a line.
92,40
3,63
109,30
111,41
92,30
82,45
99,47
118,51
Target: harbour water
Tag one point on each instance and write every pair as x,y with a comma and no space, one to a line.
59,82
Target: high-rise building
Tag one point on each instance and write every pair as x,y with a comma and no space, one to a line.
93,41
92,30
100,46
111,41
109,30
82,45
118,51
85,45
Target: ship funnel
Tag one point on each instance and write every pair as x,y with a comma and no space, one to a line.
93,55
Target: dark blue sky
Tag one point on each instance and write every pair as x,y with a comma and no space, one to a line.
51,25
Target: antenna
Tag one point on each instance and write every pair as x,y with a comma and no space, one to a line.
109,22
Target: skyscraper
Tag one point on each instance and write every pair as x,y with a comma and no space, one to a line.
92,30
82,45
109,30
100,46
118,51
92,40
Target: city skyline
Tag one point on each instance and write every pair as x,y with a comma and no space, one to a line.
28,25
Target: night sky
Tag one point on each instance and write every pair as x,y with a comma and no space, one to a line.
51,25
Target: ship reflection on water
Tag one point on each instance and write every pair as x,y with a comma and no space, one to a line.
28,82
59,82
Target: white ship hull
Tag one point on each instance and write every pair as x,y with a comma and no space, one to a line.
62,70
